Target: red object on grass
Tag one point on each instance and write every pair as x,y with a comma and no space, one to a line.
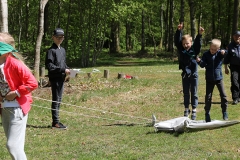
128,77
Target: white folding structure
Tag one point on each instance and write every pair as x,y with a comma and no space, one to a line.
182,124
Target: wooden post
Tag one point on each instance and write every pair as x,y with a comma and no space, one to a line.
106,74
121,75
89,75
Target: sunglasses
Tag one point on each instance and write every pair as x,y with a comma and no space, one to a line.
59,37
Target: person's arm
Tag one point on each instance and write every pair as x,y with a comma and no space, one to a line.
227,56
26,84
50,62
226,60
67,69
178,36
203,62
223,52
197,44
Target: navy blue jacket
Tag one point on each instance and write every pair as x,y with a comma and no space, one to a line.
213,65
233,55
55,62
187,59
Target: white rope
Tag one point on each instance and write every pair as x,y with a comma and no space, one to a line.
98,117
94,109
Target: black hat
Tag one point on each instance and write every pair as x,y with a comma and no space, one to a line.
237,33
58,32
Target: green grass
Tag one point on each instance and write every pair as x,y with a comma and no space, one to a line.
108,118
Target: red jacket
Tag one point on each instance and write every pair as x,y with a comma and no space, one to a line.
20,78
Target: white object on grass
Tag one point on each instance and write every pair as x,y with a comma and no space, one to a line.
181,124
95,70
73,72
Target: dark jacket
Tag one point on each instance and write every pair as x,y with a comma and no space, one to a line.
55,62
213,65
233,55
187,59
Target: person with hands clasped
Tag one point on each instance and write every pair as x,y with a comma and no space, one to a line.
212,61
55,62
188,52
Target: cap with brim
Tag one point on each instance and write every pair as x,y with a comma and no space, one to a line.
58,32
237,33
6,48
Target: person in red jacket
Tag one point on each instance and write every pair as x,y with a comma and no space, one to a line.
16,84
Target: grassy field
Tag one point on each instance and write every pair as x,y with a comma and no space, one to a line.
109,118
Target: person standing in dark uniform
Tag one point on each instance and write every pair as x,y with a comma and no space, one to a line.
212,61
55,63
232,60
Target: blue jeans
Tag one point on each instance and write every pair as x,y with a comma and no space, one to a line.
190,87
57,90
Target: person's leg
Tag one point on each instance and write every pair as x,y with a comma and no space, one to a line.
208,99
186,94
14,125
194,95
57,90
238,84
224,102
234,85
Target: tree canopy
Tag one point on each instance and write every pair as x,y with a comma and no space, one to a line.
117,25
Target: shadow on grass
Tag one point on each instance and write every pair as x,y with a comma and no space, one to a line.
119,124
32,126
204,103
212,102
123,124
175,134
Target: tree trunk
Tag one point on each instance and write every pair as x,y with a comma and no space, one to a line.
219,26
182,11
20,24
58,13
67,26
128,36
235,16
161,27
213,20
166,38
39,38
143,33
192,17
4,16
26,19
153,37
170,33
200,16
46,20
229,24
114,44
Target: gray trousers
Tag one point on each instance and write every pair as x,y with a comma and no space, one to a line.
14,125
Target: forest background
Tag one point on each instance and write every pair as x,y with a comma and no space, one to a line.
103,115
112,28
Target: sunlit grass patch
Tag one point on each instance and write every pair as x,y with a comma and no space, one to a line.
109,119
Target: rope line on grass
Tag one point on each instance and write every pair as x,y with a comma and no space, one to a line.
98,117
94,109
